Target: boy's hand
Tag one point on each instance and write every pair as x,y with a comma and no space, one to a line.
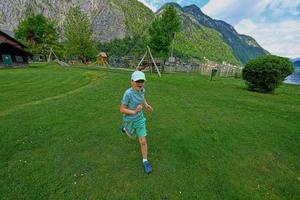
138,108
149,108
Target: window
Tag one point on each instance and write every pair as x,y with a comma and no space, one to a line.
19,59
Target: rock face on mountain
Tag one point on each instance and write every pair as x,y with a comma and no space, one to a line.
109,18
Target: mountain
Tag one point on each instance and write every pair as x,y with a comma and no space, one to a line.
197,41
244,47
295,59
110,19
296,62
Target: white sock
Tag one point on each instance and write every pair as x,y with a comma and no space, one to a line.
144,160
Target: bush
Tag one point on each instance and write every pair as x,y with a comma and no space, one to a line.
265,73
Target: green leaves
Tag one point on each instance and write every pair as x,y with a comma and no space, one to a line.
170,20
38,33
129,46
161,31
265,73
78,39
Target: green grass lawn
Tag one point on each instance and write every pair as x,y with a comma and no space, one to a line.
60,137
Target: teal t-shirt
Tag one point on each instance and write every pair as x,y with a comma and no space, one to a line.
132,99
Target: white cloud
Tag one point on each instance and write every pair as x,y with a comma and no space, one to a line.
285,6
156,4
233,11
151,5
274,24
281,38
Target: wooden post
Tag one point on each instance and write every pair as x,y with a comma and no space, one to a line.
137,68
57,59
49,57
154,61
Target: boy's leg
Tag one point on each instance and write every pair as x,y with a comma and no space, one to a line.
142,133
144,147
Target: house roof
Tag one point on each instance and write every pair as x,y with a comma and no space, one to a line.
3,44
11,38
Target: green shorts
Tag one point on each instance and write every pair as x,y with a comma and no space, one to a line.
137,128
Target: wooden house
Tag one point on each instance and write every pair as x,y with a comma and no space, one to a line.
12,52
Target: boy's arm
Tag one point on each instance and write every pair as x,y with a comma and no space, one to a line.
148,106
125,110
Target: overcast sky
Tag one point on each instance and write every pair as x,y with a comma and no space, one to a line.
274,24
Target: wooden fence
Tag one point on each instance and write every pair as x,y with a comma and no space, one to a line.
190,66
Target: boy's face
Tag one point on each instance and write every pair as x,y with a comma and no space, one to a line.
138,85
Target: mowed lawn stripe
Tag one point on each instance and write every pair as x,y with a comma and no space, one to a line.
44,86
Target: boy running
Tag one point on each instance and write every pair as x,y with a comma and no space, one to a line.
133,120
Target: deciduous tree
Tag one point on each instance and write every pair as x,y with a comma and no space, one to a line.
78,37
38,33
161,31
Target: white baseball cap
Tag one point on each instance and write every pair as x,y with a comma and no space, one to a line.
138,75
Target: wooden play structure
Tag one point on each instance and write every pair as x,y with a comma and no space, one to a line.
151,64
102,59
61,63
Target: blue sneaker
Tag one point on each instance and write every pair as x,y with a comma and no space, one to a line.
147,167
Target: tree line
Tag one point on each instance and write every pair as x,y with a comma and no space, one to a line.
74,39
